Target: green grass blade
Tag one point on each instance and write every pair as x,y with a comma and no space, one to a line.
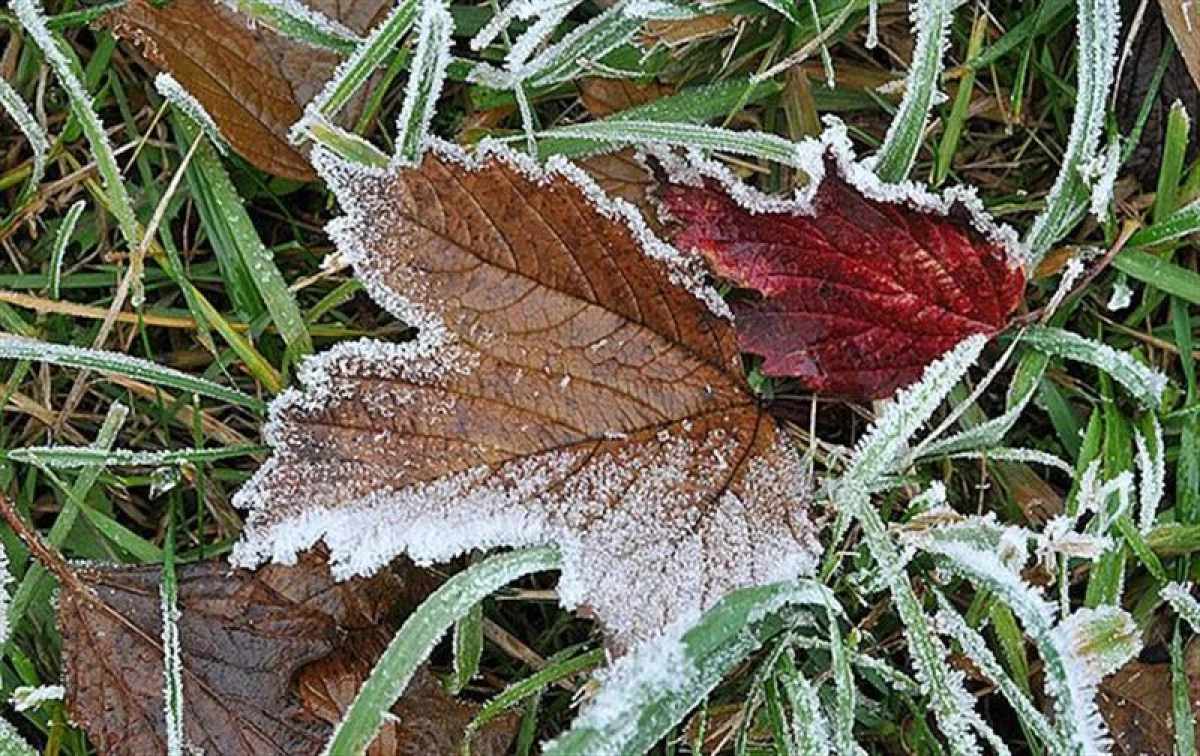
111,363
1179,224
62,237
637,705
229,226
430,61
956,121
1143,382
898,153
81,107
411,646
1181,705
1159,273
1170,173
530,686
1099,22
468,648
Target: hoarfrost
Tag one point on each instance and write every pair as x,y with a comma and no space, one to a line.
1152,474
811,156
26,697
1121,297
176,94
1179,596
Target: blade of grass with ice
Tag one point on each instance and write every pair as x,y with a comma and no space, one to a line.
172,657
11,742
416,639
224,217
66,457
62,237
355,70
298,21
111,363
428,74
39,144
1098,25
119,202
1143,382
630,132
896,156
87,478
1179,596
647,692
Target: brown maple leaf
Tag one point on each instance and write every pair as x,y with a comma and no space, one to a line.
859,286
253,81
564,388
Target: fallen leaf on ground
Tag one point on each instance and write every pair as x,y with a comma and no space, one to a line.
858,286
571,383
602,96
243,637
1183,18
252,81
1136,704
1137,75
426,721
623,176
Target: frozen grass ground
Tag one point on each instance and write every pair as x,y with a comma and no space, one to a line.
223,273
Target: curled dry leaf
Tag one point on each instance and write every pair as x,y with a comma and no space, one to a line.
253,81
570,384
1183,18
425,722
243,637
859,285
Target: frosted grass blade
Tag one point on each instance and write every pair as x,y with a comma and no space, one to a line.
111,363
1181,223
1143,382
630,132
416,639
355,70
11,742
300,22
896,157
1099,23
119,202
62,237
20,113
644,694
68,457
429,64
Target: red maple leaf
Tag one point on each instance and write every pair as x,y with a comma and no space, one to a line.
855,296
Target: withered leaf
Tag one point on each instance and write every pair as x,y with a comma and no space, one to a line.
603,96
253,81
1183,19
243,636
1136,704
1177,85
426,721
858,286
564,388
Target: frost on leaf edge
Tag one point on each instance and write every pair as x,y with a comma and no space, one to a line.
694,169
